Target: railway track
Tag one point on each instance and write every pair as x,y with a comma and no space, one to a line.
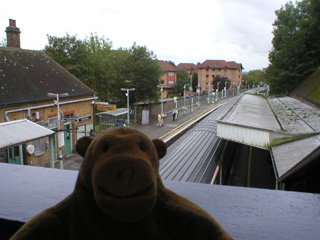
194,149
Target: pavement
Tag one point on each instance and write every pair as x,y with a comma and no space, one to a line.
74,160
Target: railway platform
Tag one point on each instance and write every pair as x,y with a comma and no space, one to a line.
167,132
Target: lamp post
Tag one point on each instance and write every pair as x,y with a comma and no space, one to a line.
225,89
127,90
191,95
184,97
57,96
198,91
208,99
161,90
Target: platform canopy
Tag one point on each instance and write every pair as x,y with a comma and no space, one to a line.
21,131
250,121
115,113
287,127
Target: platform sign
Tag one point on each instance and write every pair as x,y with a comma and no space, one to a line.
105,108
84,119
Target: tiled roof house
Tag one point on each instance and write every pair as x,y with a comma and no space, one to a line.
190,67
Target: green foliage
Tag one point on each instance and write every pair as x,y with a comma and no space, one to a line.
172,63
182,79
107,71
221,82
254,77
137,68
194,80
88,60
296,45
310,88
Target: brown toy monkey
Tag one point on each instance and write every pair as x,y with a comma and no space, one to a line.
119,195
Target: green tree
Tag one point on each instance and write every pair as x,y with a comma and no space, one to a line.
182,79
255,77
100,73
89,60
105,70
296,45
137,68
194,81
221,82
172,63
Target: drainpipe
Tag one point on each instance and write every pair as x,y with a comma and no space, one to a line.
44,106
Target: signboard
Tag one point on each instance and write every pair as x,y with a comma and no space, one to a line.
70,120
84,119
106,108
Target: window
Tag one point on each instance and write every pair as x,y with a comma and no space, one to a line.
14,152
171,82
225,70
219,70
207,69
162,82
39,147
207,76
171,74
52,122
213,75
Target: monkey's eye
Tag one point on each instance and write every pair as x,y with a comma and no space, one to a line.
142,146
105,147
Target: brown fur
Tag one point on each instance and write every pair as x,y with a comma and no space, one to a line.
119,195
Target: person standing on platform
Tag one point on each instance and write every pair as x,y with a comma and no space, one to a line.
173,114
160,120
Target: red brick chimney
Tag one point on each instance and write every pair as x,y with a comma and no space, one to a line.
13,34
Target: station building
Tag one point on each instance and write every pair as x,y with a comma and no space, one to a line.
35,87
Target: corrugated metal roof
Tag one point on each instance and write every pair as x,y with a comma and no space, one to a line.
251,121
286,156
21,131
115,113
252,111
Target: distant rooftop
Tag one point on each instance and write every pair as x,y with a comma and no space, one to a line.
220,64
167,67
187,66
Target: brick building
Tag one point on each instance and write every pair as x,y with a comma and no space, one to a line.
32,86
169,78
210,69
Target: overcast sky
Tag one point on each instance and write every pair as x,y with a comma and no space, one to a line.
182,31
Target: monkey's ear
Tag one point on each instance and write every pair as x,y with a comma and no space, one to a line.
83,144
161,147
